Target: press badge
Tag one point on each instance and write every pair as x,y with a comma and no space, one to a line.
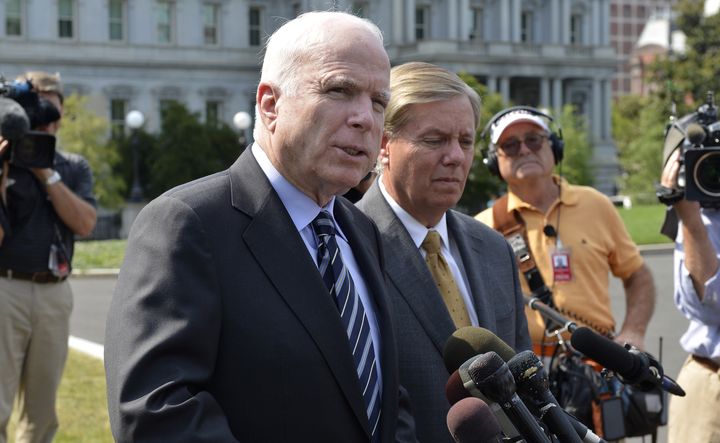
560,259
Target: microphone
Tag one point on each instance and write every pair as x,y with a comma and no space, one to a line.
471,421
14,122
550,231
492,376
695,134
469,341
632,366
533,386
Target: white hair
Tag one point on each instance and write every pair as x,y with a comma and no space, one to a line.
295,42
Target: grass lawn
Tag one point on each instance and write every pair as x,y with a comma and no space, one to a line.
99,254
643,222
82,405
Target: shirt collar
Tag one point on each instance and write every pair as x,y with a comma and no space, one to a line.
417,230
568,196
302,209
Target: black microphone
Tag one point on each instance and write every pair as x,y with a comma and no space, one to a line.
14,122
471,421
695,134
492,376
632,366
532,384
468,342
550,231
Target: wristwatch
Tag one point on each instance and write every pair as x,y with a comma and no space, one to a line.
54,178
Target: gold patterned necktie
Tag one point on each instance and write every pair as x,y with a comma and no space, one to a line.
444,280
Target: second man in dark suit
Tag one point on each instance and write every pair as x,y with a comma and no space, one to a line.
445,269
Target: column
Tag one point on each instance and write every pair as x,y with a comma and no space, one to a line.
505,88
554,22
607,101
452,20
505,25
410,21
465,19
557,93
515,20
492,84
595,20
595,115
544,92
605,14
565,22
398,21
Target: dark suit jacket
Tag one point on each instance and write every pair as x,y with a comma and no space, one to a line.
221,328
421,319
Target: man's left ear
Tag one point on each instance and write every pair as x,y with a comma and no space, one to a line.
384,156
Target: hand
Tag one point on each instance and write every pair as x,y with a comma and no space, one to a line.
632,338
4,143
670,171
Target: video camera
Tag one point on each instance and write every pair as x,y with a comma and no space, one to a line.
698,137
22,111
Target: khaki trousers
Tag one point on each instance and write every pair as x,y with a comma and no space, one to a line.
695,417
34,329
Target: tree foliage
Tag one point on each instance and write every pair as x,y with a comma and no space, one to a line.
85,133
185,149
576,165
680,81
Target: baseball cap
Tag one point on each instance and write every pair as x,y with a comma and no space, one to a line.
513,117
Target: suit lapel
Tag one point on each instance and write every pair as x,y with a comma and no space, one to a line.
277,246
407,270
470,247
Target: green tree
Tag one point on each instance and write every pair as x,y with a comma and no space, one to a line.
185,149
639,130
577,154
85,133
481,185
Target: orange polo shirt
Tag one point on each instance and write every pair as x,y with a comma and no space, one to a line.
594,237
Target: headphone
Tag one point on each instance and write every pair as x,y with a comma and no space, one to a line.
557,144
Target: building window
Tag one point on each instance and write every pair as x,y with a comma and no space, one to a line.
477,24
66,18
211,14
164,18
526,27
213,113
13,17
360,9
255,28
576,21
118,110
422,23
116,20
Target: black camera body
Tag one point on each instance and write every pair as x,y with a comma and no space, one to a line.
28,148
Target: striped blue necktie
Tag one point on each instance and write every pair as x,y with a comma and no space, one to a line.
340,284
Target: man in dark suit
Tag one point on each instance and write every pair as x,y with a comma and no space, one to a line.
230,317
428,148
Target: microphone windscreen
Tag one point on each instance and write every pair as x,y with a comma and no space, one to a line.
14,123
469,341
454,389
471,421
603,350
695,134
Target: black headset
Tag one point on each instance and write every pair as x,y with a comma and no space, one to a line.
556,140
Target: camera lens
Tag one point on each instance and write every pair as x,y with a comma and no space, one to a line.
707,173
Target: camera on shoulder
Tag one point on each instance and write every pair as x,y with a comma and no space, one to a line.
697,135
22,112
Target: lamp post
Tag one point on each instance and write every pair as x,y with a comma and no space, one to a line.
242,120
134,120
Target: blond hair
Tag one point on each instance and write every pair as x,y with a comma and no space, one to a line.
419,82
44,82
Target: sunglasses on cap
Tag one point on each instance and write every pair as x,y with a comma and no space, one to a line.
534,141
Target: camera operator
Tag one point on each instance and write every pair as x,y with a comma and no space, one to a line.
697,296
43,208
